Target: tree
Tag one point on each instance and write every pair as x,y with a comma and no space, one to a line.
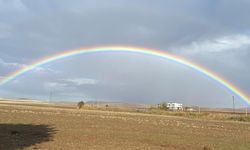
163,105
80,104
106,106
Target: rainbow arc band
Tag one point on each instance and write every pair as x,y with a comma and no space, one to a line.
145,51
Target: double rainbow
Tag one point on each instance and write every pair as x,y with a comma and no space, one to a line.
145,51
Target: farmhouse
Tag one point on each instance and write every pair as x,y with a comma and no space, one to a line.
174,106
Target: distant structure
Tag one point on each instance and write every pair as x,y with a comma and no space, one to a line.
190,109
174,106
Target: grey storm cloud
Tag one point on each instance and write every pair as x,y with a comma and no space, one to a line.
212,33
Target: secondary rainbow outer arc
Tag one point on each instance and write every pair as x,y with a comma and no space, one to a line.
144,51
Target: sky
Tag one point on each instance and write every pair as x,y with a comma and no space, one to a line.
214,34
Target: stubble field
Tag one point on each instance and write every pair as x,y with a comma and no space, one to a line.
40,127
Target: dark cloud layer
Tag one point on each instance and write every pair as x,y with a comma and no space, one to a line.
212,33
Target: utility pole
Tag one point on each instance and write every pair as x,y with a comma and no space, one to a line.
246,111
50,96
233,105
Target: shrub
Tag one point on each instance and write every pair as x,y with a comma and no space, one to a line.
240,118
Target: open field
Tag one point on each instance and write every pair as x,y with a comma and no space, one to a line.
40,126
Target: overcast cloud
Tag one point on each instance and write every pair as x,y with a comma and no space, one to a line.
214,34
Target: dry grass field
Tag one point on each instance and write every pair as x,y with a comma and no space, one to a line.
40,127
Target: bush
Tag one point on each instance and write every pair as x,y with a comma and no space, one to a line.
240,118
80,104
163,105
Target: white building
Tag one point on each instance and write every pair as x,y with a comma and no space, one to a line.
174,106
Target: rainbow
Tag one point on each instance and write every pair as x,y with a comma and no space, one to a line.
145,51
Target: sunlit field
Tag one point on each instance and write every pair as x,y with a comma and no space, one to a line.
44,126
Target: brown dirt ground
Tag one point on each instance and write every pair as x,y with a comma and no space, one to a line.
34,127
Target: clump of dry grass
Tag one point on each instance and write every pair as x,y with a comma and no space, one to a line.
203,115
207,148
191,115
240,118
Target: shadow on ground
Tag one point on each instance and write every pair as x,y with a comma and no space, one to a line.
20,136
